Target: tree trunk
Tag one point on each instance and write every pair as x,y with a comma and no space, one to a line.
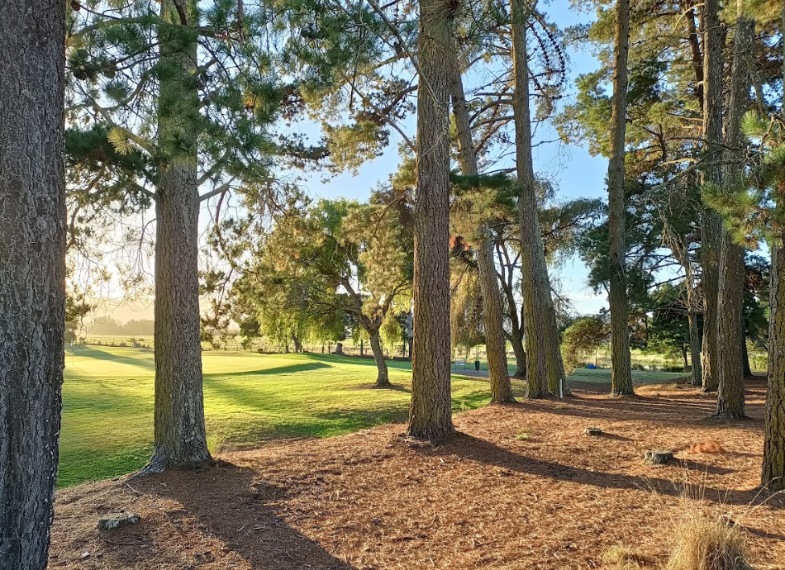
382,376
730,322
684,351
745,358
430,413
544,367
180,439
621,370
362,347
516,340
773,472
493,317
711,227
695,348
32,274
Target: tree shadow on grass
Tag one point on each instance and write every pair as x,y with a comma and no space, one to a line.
276,371
228,503
483,451
92,352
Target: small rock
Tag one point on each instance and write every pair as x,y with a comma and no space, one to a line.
116,520
658,456
593,431
85,555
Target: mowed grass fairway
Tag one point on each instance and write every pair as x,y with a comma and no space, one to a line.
108,397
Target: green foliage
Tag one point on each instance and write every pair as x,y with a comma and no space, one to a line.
582,336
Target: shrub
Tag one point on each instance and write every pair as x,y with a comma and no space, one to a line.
704,543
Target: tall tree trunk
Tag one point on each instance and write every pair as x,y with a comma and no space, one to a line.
730,321
382,375
621,370
544,367
695,348
180,439
773,470
711,227
493,317
32,274
430,413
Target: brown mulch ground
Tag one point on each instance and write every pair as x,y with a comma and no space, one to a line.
519,486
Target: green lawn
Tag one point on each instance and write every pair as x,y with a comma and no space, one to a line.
108,403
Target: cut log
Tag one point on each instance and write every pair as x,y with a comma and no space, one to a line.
658,456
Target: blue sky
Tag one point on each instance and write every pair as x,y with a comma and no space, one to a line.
575,172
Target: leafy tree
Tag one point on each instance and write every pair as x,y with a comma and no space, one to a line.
328,265
32,270
582,336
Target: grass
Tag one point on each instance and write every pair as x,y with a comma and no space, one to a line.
108,403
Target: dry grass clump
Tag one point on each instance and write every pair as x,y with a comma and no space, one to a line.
704,543
619,557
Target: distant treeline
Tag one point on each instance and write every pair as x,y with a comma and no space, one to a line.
107,325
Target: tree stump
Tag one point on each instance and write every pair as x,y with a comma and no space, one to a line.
658,456
593,431
116,520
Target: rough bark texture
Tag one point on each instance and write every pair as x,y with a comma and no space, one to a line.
621,370
711,226
695,347
180,439
382,375
493,317
544,367
773,472
32,274
730,299
430,415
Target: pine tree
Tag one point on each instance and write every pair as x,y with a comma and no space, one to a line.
32,275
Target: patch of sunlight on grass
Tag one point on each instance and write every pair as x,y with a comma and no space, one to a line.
108,397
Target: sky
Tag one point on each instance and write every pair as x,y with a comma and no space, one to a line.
571,168
575,172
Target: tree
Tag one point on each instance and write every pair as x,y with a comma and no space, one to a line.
730,295
584,335
325,266
545,370
32,274
430,413
621,374
495,343
189,92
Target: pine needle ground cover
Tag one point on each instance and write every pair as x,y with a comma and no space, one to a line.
249,398
556,500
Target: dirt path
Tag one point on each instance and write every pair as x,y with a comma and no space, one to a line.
518,487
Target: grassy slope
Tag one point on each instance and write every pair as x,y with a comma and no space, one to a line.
108,403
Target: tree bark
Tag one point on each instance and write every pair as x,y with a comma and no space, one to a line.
382,375
730,321
745,358
711,227
773,471
516,340
695,347
32,274
430,412
180,438
544,367
621,370
493,317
